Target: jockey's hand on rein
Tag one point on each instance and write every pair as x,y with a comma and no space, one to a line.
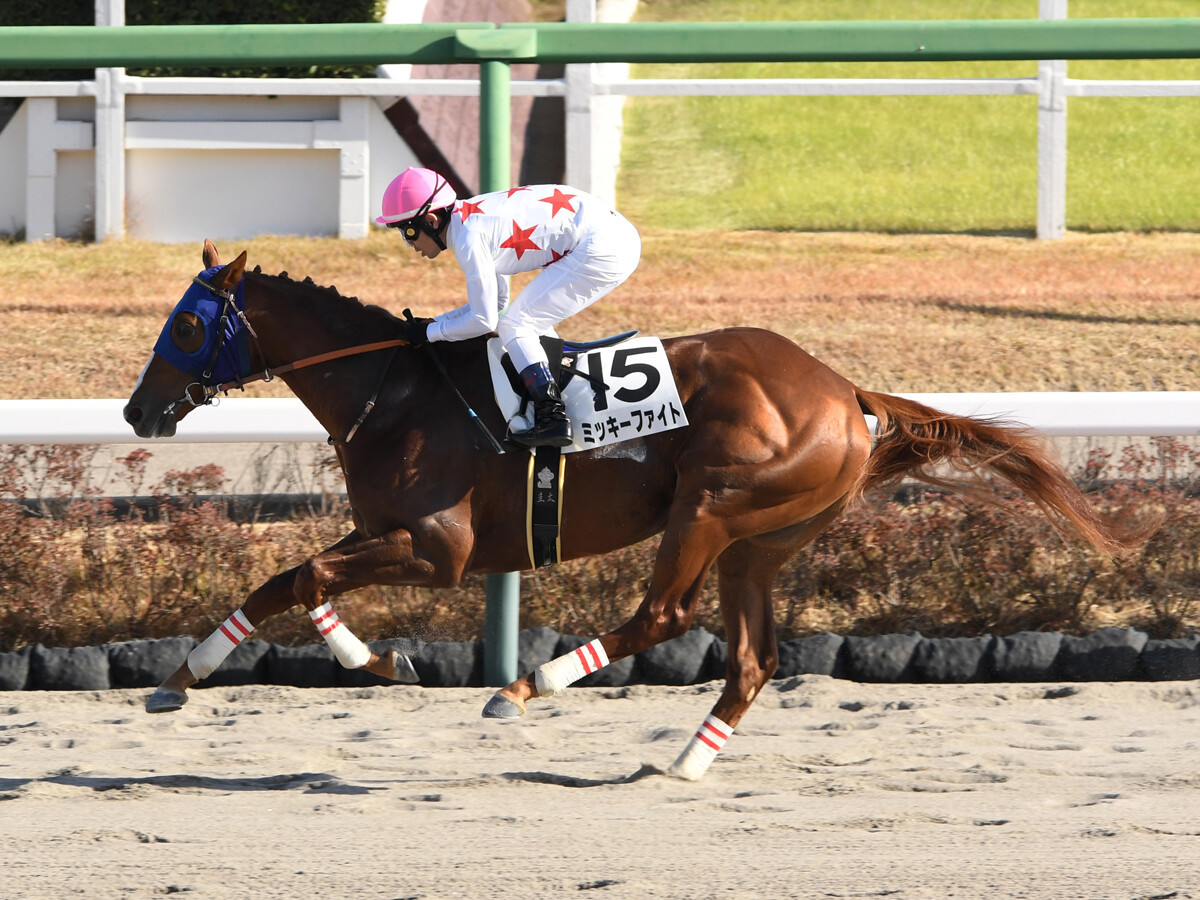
414,329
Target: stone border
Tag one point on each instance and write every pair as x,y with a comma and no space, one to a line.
1112,654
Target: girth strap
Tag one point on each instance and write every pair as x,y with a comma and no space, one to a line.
544,506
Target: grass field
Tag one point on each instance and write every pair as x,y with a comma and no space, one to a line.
907,164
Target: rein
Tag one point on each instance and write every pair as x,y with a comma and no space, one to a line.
269,374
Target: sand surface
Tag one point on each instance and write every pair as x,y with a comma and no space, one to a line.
828,789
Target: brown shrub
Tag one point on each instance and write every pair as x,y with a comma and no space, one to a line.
75,572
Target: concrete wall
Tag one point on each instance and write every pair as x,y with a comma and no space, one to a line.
188,182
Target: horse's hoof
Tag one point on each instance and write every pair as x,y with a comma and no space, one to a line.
402,669
165,700
500,707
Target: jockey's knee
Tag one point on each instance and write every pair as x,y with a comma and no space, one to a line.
523,345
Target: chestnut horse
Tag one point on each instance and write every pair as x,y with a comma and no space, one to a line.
776,447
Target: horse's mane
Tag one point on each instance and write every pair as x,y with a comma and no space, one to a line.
339,310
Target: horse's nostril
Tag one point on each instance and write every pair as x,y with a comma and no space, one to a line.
132,414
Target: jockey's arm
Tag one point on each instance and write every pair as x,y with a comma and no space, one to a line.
487,294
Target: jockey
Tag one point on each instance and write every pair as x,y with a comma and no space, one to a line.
583,247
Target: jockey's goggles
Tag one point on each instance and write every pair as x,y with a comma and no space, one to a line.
409,228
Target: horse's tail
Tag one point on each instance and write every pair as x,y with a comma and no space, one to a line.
914,439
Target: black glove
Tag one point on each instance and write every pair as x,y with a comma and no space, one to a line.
414,329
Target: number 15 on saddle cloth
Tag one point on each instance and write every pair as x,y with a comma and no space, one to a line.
629,392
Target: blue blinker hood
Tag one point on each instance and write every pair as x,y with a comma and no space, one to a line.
225,354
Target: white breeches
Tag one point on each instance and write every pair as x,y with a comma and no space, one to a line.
605,257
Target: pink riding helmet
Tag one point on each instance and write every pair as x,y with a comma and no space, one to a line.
414,192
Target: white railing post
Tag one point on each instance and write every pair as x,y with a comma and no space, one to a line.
45,136
577,106
1052,136
41,157
594,123
350,135
110,135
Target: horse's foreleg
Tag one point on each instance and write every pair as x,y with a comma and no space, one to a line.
388,559
277,595
272,598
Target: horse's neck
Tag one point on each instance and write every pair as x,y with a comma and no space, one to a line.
297,321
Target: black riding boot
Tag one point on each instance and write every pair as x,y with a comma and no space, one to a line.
551,427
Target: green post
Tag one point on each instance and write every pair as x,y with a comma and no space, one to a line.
502,616
495,126
501,619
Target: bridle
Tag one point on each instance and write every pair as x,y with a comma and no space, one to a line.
232,312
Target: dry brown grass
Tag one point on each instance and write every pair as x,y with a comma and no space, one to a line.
1112,312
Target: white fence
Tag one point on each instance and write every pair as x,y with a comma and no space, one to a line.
1053,413
58,132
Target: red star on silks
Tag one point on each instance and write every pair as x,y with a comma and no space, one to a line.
559,201
512,191
557,256
468,209
520,241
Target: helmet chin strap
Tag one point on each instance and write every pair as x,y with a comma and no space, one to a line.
437,233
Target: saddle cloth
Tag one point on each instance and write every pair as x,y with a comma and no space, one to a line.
629,392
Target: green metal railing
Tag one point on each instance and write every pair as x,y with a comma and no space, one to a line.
563,42
494,48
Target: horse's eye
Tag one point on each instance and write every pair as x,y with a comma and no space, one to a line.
187,331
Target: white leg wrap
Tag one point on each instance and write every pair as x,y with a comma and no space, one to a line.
350,651
701,750
558,674
205,657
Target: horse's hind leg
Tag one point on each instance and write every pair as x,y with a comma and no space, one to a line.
745,574
746,571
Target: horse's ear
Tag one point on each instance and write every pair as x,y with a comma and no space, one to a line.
211,257
228,278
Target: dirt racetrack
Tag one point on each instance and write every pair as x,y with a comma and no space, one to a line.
829,789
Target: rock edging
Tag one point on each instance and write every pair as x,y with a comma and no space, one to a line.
1112,654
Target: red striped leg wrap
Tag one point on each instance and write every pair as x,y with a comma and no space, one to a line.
205,657
558,674
350,651
702,749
